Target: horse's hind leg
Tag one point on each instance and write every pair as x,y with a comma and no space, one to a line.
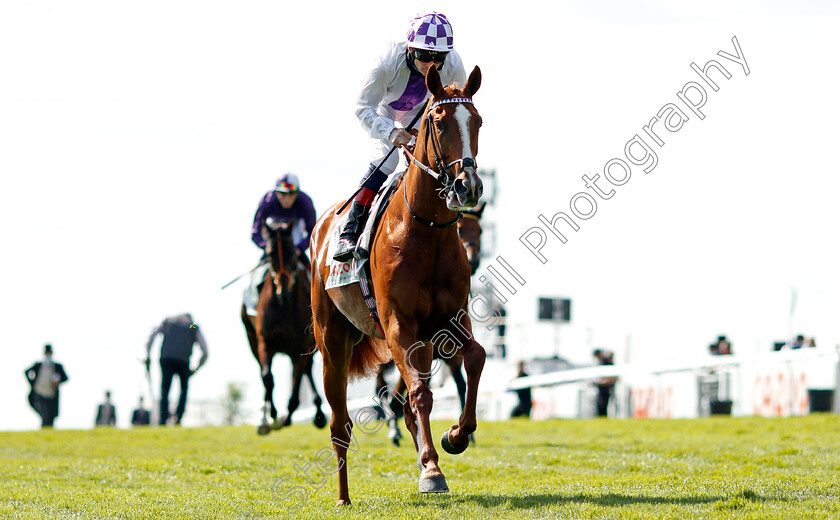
336,352
381,387
456,439
397,403
332,335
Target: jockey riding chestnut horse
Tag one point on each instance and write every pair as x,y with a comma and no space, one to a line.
420,280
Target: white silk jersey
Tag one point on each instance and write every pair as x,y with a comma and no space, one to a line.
392,93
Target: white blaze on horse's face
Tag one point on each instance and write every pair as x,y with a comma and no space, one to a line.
468,186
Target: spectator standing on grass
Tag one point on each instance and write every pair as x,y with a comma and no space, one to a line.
44,379
523,409
106,413
141,416
180,333
606,385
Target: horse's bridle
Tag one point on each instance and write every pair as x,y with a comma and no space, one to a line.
275,275
447,181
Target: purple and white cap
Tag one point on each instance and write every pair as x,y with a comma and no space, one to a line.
430,32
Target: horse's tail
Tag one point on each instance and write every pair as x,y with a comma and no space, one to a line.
368,354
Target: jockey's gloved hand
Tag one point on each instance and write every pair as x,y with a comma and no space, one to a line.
399,137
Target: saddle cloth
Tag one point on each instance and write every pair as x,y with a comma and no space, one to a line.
346,273
251,295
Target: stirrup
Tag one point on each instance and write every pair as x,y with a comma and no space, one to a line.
345,251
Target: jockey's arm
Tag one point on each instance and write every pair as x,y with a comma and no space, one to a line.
259,222
309,220
199,338
157,330
371,96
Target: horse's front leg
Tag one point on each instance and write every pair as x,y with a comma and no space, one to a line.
294,399
268,384
456,439
320,420
415,366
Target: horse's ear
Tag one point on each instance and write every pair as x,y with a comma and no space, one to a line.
473,82
433,82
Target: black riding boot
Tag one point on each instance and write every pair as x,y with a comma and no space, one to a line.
350,234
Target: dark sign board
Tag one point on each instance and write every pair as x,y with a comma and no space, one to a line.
555,309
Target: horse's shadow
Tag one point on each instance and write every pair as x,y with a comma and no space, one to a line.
546,499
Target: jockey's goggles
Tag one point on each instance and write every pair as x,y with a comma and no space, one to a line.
285,187
425,56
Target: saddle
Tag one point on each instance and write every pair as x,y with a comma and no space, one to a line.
346,273
343,274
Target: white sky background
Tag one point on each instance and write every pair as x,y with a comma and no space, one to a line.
136,140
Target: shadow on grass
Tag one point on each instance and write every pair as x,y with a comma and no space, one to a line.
547,499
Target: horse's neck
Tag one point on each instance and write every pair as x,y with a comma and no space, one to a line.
422,193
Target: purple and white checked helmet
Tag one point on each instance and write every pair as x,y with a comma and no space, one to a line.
430,32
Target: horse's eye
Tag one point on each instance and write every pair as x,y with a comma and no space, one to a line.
439,126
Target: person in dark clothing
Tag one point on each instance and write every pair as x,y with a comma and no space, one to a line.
141,416
500,328
179,336
44,379
523,409
606,385
106,413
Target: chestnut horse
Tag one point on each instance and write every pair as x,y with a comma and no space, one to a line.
395,403
420,280
469,231
282,324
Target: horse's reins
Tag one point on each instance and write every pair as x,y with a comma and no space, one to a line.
384,159
275,275
447,181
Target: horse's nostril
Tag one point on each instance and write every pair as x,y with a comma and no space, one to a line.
460,187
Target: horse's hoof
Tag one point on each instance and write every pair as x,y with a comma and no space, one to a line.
276,425
395,442
449,447
434,485
263,429
320,420
342,502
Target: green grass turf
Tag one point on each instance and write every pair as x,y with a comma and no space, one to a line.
705,468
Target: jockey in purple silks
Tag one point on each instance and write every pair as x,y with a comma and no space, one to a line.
284,203
393,92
